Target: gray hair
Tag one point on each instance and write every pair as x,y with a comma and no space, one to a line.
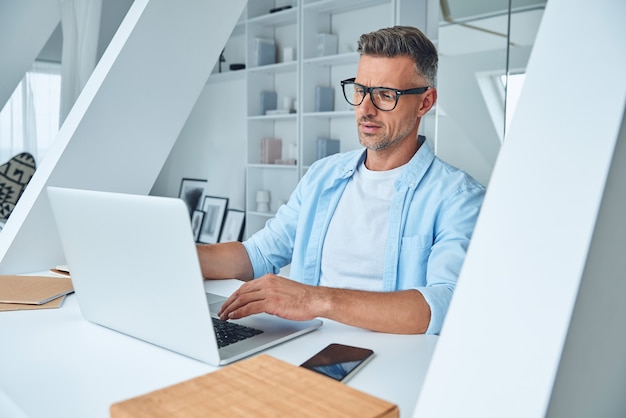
403,41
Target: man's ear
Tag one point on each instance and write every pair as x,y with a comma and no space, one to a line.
429,97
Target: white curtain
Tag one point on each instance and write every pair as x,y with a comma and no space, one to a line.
18,130
80,20
45,85
30,120
30,124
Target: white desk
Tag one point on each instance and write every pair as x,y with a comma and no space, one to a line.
54,363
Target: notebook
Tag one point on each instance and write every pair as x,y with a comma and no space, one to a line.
135,269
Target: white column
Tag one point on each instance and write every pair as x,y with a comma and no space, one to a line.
540,297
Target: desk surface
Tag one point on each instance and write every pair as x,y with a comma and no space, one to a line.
55,363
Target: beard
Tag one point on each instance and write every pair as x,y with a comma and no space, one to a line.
380,141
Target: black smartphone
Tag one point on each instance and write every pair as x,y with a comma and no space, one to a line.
339,361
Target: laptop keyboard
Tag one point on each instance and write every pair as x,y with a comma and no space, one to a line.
229,332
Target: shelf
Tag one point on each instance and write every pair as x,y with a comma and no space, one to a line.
261,214
330,60
281,67
273,166
226,76
284,17
274,117
332,6
328,115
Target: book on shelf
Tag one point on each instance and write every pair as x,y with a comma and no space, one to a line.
324,99
268,101
326,147
264,51
271,150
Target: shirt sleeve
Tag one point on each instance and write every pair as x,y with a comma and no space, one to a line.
270,248
453,230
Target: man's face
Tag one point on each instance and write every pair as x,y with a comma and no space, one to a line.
379,130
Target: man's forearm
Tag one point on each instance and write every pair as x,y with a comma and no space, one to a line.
227,260
401,312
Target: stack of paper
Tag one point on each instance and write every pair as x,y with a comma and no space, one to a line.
33,292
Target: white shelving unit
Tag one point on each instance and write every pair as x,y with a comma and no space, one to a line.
296,28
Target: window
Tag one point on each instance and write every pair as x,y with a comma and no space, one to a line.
513,90
29,121
494,91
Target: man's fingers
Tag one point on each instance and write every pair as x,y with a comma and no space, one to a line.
241,304
246,310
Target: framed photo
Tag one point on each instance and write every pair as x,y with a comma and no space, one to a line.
192,192
233,226
196,223
214,209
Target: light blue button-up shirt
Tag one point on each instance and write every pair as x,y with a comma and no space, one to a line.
431,219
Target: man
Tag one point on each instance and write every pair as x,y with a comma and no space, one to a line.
375,238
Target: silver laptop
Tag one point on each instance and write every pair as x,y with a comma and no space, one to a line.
135,269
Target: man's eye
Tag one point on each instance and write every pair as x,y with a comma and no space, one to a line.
387,94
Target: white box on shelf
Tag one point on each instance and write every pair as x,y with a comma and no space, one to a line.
277,112
289,54
326,44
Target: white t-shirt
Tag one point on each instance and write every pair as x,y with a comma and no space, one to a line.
354,248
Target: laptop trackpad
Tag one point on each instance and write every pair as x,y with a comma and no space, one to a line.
215,302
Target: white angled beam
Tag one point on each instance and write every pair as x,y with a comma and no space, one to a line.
540,296
591,379
25,27
127,118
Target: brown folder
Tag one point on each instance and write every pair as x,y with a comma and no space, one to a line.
33,290
261,386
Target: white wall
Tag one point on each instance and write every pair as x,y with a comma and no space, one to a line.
211,145
466,134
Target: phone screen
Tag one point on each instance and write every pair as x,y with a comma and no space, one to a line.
338,361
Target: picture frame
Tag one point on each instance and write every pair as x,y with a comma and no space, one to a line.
233,226
196,223
192,192
214,209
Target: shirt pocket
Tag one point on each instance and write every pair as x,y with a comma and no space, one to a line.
414,253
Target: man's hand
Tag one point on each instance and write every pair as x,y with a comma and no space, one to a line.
402,312
274,295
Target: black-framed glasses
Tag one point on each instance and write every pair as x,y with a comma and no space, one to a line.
384,98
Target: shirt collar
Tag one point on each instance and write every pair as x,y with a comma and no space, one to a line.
417,166
413,172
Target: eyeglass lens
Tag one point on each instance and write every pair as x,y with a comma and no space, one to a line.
384,99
